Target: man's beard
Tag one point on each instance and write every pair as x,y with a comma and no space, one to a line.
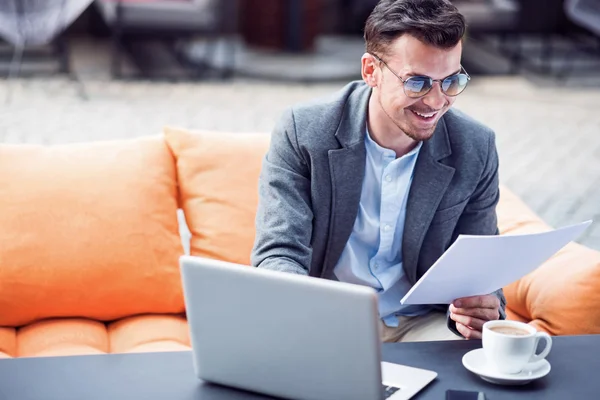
415,135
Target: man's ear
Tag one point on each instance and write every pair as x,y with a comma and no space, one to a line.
369,70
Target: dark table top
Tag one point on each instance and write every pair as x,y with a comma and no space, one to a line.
575,374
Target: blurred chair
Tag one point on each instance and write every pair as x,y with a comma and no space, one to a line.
25,24
489,16
514,25
585,13
544,40
495,18
167,21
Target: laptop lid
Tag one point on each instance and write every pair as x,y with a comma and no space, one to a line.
281,334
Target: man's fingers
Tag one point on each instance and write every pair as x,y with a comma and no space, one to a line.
487,301
467,332
466,320
487,314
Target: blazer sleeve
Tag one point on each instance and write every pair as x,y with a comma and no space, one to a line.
284,215
479,216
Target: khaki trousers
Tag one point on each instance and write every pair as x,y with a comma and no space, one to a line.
428,327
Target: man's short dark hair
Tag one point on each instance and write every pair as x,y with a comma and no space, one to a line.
434,22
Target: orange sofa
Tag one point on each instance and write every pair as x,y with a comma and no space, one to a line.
91,235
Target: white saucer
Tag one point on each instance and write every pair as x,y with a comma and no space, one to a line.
475,362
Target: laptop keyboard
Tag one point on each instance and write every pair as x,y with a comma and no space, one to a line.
389,390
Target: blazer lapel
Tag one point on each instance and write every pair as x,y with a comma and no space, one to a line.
430,181
347,170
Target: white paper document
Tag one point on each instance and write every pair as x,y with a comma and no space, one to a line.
479,265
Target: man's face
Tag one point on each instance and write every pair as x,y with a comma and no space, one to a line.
407,56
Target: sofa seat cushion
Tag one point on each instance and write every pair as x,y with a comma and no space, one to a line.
158,346
561,296
88,230
62,337
218,185
8,342
79,336
148,333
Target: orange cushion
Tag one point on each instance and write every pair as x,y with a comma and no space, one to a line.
513,316
62,337
88,230
561,296
515,217
218,184
158,346
8,342
149,333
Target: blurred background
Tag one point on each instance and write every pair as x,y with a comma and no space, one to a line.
87,70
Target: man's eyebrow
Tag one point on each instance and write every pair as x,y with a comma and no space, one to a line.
417,74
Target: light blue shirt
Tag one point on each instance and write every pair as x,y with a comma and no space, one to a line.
373,254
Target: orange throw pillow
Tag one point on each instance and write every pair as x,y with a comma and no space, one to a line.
88,230
218,184
561,296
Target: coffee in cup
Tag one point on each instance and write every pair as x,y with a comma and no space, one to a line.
510,345
509,330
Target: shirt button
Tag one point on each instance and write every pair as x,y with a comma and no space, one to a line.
376,265
388,178
387,228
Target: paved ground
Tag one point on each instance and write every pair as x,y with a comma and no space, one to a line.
548,137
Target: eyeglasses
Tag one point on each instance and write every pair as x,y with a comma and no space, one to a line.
419,86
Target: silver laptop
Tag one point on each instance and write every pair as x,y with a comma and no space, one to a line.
289,336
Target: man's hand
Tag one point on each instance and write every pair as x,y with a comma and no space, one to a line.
470,313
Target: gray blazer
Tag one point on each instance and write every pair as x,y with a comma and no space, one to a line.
311,181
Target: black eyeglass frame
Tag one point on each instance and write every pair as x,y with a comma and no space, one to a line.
441,81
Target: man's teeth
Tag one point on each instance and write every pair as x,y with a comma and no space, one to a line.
424,115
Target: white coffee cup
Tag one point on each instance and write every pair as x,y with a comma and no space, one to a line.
510,345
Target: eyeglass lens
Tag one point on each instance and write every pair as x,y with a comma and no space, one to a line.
417,86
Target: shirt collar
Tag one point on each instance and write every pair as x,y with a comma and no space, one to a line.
374,146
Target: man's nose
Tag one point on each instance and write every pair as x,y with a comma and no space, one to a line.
435,99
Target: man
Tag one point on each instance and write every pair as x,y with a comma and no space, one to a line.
372,185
